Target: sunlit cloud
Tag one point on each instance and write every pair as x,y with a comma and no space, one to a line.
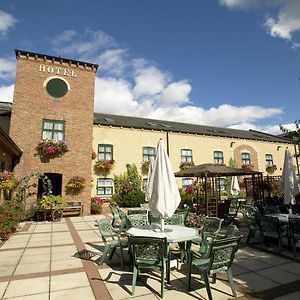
6,93
6,21
7,68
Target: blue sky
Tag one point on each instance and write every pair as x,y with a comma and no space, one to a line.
227,63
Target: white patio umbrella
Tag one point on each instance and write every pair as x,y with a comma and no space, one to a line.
234,187
289,182
162,188
147,190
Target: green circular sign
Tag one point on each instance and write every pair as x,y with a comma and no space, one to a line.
56,87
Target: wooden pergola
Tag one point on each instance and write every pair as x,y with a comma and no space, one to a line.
209,175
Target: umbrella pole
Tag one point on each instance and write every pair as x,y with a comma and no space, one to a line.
162,224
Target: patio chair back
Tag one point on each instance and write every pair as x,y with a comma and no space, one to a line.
251,218
270,228
148,253
219,260
176,219
294,232
115,215
136,220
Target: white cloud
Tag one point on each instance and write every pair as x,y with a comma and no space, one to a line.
6,93
86,45
283,23
113,61
7,68
176,93
150,81
6,21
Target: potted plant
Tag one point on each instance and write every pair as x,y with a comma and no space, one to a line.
48,149
247,167
270,169
104,165
186,164
75,185
51,201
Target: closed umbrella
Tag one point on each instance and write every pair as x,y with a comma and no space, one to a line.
289,182
234,187
151,164
162,188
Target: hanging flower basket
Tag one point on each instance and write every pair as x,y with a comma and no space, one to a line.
49,149
247,167
271,169
145,167
94,155
186,165
104,165
7,181
75,185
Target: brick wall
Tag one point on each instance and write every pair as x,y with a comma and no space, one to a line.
32,104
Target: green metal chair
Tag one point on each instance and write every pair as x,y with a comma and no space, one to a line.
270,229
211,228
136,220
149,253
294,232
115,215
251,217
219,260
112,241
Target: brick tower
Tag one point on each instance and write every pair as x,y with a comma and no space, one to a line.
54,100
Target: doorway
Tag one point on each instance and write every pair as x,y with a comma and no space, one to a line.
56,181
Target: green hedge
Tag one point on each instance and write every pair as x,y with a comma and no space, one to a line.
130,199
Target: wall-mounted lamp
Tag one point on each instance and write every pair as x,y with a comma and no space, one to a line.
278,148
231,144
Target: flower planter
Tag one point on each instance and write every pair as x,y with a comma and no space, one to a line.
47,150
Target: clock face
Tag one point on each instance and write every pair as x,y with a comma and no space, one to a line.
56,87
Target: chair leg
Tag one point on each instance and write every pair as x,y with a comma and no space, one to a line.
206,280
122,257
162,281
134,277
214,279
232,285
112,252
189,275
293,243
102,259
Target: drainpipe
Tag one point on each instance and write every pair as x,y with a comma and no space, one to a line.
168,144
297,153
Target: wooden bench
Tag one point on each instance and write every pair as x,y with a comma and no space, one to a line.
73,207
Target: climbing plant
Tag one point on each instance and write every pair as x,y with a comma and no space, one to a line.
23,189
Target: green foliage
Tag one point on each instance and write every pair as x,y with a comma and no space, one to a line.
295,134
127,186
50,201
11,214
131,199
75,185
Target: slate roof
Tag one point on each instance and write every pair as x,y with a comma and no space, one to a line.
168,126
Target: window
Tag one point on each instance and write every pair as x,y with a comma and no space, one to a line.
221,182
148,152
246,158
218,157
186,155
56,87
105,152
144,183
104,186
187,181
53,130
269,160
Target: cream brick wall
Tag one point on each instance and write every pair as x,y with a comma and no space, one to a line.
128,144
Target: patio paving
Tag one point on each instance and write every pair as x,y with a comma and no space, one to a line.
41,261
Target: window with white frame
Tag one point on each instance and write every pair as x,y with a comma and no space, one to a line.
218,157
144,183
104,186
269,160
105,152
53,130
186,155
187,181
148,152
246,158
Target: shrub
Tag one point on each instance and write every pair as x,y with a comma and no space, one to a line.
131,199
11,214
